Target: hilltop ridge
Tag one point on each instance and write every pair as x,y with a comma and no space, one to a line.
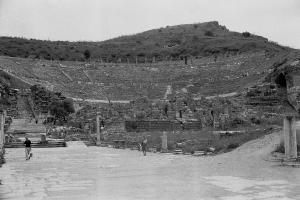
171,42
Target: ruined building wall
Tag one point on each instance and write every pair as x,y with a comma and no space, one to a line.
293,90
132,126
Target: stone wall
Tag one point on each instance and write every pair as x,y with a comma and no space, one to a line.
286,74
293,90
293,94
263,94
132,126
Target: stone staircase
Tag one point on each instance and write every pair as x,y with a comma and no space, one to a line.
26,123
35,131
24,107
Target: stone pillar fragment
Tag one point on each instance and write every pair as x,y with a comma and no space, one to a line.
223,121
164,142
90,128
2,138
290,141
98,129
43,138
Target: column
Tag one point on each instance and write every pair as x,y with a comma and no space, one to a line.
2,121
290,141
153,59
185,60
98,129
164,142
90,128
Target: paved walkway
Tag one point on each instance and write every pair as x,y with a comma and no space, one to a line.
78,172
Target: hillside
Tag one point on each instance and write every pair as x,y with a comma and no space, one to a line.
171,42
203,59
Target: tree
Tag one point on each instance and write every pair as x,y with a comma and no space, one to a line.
60,109
68,105
87,54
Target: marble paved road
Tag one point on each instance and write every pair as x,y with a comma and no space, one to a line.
79,172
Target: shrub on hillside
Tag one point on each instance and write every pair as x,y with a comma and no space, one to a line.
233,146
209,33
237,121
195,39
255,120
246,34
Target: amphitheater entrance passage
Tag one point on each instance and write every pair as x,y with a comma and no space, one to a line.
281,81
290,136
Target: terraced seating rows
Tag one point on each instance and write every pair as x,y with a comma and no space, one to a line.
121,81
76,74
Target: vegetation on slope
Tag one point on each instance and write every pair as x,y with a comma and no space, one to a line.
176,42
5,90
59,106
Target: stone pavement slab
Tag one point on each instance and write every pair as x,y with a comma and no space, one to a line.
79,172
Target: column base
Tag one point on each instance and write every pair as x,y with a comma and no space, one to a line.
164,151
98,143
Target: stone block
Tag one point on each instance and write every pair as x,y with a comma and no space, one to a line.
43,138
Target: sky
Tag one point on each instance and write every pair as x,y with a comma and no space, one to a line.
98,20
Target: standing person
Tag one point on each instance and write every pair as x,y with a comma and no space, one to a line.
144,146
27,148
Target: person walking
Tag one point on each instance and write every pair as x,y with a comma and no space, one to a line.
144,146
27,144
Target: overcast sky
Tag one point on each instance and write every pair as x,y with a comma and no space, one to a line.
97,20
